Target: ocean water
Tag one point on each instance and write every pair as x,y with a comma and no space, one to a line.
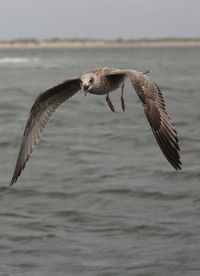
97,196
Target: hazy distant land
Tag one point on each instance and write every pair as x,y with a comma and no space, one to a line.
70,43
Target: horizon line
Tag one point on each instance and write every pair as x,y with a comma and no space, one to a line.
76,39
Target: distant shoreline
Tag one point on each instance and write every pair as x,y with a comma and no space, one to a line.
89,43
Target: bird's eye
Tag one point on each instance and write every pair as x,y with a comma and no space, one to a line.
91,80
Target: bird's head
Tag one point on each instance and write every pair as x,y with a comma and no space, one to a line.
87,81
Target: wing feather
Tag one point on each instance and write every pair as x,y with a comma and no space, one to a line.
41,112
155,111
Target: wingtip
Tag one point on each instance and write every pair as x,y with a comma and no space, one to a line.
178,165
12,183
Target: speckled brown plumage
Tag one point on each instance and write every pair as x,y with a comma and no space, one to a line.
101,81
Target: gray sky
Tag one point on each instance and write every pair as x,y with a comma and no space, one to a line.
107,19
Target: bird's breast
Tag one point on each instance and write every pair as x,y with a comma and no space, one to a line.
98,91
106,85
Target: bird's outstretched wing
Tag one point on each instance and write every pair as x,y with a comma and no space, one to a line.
154,108
41,112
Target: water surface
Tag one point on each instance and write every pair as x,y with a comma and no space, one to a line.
97,196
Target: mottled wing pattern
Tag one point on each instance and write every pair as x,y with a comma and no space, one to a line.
41,112
161,124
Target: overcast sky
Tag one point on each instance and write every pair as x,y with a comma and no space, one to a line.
109,19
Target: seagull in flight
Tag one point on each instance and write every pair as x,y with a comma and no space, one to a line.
102,81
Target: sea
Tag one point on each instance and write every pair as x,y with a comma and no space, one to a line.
97,197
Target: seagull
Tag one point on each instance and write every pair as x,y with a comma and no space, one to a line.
101,81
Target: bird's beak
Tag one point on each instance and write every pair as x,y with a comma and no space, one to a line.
85,88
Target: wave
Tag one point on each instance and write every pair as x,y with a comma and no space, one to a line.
17,60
